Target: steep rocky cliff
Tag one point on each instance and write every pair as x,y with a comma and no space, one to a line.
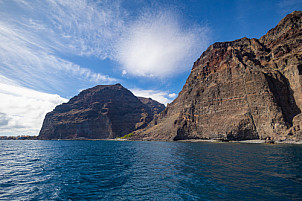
155,106
101,112
244,89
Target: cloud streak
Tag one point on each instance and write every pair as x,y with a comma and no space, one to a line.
152,45
31,48
155,44
40,39
25,61
288,6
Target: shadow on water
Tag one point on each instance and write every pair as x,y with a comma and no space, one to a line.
158,172
111,170
236,171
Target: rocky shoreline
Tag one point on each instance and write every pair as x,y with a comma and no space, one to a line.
246,141
256,141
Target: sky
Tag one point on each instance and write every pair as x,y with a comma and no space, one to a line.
50,50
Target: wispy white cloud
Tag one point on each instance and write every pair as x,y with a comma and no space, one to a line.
34,66
160,96
79,27
23,109
37,38
37,33
31,46
87,27
172,95
288,6
124,72
157,45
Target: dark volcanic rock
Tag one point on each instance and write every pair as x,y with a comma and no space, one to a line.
244,89
101,112
155,106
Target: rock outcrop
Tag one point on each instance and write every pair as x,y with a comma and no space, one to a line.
154,106
101,112
239,90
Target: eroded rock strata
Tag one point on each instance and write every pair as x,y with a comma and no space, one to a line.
239,90
154,106
101,112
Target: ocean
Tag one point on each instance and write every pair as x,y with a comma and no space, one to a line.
126,170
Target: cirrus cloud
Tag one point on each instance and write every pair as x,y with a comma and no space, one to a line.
43,41
36,37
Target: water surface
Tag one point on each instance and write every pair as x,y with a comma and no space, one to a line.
112,170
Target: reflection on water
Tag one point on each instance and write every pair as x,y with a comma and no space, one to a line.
112,170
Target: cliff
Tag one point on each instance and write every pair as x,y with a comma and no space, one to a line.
101,112
154,106
239,90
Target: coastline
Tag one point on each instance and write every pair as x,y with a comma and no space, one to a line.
257,141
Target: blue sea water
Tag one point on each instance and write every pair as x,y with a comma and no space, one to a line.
113,170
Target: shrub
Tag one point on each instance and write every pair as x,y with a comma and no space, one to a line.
127,136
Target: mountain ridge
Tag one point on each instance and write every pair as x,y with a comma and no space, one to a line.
240,90
100,112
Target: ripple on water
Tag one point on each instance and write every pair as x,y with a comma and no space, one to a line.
93,170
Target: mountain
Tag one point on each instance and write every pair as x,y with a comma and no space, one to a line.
155,106
240,90
101,112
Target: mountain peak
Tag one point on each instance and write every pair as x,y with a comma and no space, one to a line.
100,112
286,28
239,90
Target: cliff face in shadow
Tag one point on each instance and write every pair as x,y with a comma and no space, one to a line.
243,89
101,112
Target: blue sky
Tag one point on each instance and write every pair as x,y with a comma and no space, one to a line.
52,49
